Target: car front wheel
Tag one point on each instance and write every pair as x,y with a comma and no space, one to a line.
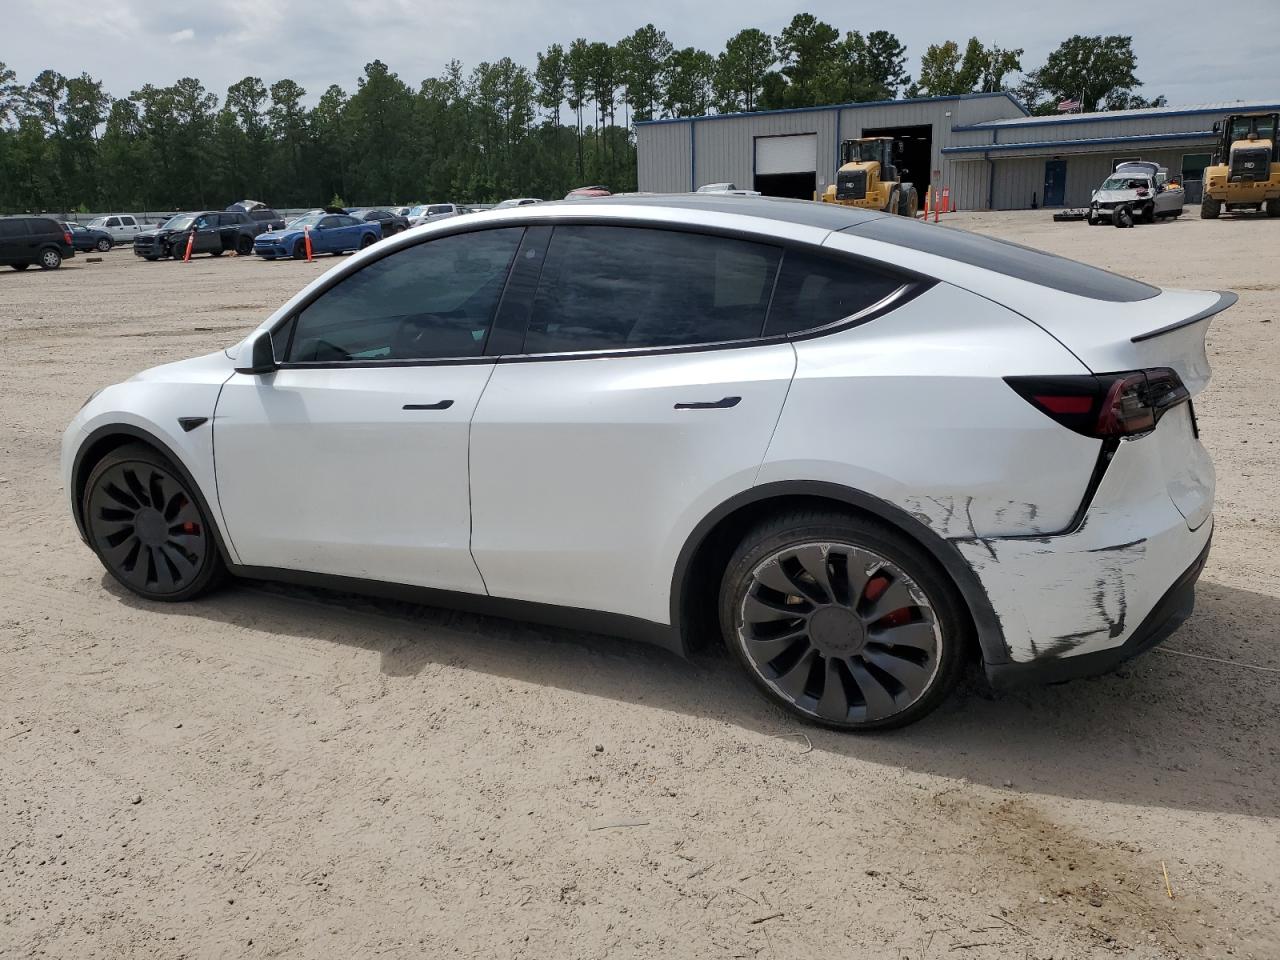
147,527
843,621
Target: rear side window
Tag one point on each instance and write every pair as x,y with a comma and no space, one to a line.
13,228
1010,259
44,228
815,290
619,288
429,301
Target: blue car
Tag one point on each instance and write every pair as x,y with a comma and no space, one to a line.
330,233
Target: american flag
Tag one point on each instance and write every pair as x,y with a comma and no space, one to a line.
1066,106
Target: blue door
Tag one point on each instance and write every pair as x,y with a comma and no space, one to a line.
1055,183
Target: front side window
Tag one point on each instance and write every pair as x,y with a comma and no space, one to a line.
113,222
816,290
431,301
620,288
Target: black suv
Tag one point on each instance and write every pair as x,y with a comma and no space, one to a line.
28,240
215,232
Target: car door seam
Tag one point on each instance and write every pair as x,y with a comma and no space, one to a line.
471,508
764,457
213,457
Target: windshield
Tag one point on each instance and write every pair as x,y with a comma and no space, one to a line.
1265,127
307,220
863,151
1126,183
98,222
418,211
179,222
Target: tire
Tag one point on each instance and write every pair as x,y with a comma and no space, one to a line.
822,663
908,201
1093,218
166,553
1210,208
20,266
244,246
1122,217
103,245
50,259
151,257
891,205
368,240
178,250
1273,208
216,253
1149,213
299,250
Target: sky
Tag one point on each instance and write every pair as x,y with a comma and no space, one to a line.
318,42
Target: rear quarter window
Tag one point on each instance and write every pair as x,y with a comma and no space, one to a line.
1010,259
817,290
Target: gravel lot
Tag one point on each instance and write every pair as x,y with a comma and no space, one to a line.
278,772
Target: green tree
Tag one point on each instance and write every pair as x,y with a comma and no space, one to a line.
288,129
578,68
552,77
1093,70
642,66
807,48
741,70
690,83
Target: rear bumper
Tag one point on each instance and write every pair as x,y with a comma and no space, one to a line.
1170,611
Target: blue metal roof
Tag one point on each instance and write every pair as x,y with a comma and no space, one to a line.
835,106
1085,142
1142,113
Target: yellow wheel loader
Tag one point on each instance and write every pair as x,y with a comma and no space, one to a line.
869,178
1245,174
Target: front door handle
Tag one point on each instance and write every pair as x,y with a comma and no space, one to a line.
438,405
721,404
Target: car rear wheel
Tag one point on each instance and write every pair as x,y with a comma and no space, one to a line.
50,259
843,621
103,245
147,528
244,246
368,240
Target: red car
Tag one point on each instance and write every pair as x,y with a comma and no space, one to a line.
586,193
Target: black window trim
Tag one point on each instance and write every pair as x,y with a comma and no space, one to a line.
913,285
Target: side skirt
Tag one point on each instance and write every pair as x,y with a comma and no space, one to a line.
571,618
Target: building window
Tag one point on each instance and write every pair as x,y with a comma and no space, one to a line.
1193,165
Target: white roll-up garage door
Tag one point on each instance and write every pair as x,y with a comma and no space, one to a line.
795,154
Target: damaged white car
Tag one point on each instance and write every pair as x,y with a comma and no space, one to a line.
1137,191
858,449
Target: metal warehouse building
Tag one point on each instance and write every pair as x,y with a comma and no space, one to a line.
984,146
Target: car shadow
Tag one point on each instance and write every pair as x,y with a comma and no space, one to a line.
1165,730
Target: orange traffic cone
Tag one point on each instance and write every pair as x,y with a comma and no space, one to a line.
191,239
306,237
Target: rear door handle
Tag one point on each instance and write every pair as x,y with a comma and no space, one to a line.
438,405
721,404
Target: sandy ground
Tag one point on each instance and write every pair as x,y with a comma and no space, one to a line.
275,772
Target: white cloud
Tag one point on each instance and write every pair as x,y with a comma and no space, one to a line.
182,36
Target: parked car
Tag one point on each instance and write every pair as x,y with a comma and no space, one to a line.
215,232
674,457
85,238
727,188
1136,191
587,193
515,202
121,226
330,233
260,213
392,223
29,240
429,212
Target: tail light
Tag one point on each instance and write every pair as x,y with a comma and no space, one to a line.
1106,405
66,238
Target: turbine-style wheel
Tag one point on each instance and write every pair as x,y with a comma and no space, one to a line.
147,528
844,622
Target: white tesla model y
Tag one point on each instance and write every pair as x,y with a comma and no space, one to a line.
858,448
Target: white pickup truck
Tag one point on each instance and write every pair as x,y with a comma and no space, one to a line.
120,226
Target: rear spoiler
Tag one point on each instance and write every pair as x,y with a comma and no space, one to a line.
1226,299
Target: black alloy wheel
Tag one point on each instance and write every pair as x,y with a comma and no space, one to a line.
147,528
368,240
843,621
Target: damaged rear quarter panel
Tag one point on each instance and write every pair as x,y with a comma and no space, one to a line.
1088,590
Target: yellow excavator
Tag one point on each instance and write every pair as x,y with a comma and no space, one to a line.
1245,174
868,177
